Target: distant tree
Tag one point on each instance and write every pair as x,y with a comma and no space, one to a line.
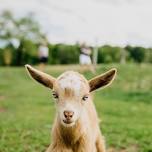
64,54
108,54
137,53
22,29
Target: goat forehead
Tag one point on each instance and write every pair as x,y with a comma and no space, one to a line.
71,82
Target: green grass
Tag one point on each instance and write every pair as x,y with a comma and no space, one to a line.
27,109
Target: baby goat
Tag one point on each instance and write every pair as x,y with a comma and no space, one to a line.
76,126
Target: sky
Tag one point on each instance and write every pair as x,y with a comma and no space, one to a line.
96,22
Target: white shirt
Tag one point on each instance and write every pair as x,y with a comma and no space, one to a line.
43,51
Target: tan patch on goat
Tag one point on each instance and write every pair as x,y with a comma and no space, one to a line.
68,92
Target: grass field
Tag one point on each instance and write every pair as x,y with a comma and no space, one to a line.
125,107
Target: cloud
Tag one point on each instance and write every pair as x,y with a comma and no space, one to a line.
117,22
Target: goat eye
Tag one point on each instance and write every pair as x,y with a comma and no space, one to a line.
85,98
55,95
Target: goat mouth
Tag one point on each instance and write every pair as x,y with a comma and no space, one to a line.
67,121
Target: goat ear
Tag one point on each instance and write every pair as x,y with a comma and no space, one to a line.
102,80
41,77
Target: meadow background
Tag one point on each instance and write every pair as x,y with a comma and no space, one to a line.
27,109
119,34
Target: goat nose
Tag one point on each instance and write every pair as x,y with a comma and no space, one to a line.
68,114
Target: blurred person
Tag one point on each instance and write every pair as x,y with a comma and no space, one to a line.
43,53
85,58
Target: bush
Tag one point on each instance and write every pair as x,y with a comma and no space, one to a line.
64,54
148,55
136,53
107,54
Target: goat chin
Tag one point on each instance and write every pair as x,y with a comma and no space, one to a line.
68,125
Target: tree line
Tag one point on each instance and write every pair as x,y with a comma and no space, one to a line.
69,54
22,37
